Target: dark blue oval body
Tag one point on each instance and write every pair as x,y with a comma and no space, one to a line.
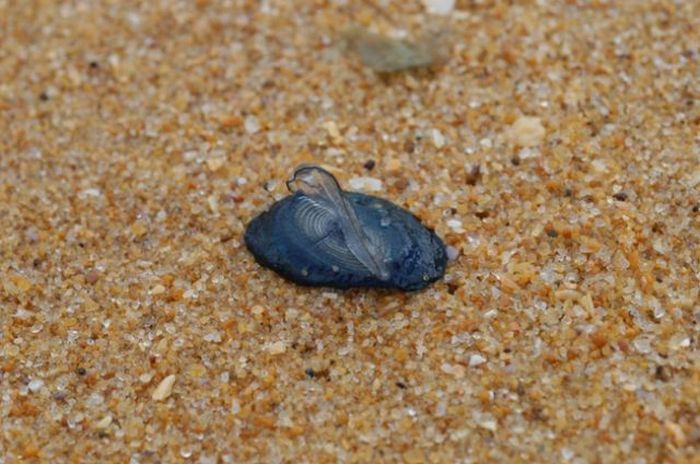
298,241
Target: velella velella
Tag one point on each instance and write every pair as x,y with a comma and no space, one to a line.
321,235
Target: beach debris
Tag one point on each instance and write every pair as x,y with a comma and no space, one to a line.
321,235
385,54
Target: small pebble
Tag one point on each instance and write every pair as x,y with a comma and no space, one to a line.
393,165
164,388
527,131
367,184
642,344
35,385
251,124
278,347
333,131
455,224
473,175
438,138
158,289
452,252
663,373
216,163
488,424
103,423
456,370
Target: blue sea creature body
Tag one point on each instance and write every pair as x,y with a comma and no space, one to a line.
321,235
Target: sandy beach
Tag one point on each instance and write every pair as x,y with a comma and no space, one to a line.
555,148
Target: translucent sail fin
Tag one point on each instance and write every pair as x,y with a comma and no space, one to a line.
320,185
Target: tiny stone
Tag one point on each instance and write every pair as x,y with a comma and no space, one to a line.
527,131
488,424
679,341
103,423
276,348
567,454
393,165
214,337
454,224
32,234
642,344
476,360
189,294
35,385
164,388
566,294
456,370
214,164
369,165
620,196
91,192
91,277
474,175
438,139
213,203
251,124
257,311
663,373
365,183
139,229
333,131
158,290
452,252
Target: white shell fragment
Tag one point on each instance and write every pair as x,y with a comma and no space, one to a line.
164,388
